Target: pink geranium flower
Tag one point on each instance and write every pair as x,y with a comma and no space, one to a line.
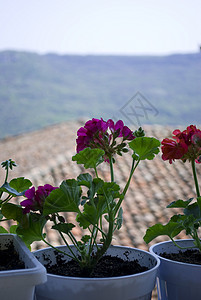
101,134
36,198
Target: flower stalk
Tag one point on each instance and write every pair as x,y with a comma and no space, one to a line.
195,178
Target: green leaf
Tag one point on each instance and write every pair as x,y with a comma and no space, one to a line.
20,184
3,230
85,179
88,217
33,230
13,229
96,186
17,186
106,196
119,221
93,185
199,202
90,158
144,147
101,196
1,216
13,211
101,205
192,209
63,227
180,203
85,238
171,229
178,219
188,222
110,188
65,198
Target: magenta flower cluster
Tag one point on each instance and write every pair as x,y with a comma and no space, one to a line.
36,198
101,134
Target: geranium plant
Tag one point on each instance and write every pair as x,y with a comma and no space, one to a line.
185,146
96,203
9,190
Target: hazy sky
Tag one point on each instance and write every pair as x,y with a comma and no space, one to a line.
101,27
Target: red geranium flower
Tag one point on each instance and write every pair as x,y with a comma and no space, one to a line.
172,150
186,145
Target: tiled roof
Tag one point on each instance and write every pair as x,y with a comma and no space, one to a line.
45,157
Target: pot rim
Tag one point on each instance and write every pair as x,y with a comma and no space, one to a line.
109,278
151,249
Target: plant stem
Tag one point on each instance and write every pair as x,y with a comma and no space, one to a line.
60,251
95,169
131,174
180,246
111,169
7,199
195,178
108,240
66,243
197,240
6,178
92,239
88,220
73,239
103,233
134,166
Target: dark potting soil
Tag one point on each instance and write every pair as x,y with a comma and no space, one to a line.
108,266
9,259
188,256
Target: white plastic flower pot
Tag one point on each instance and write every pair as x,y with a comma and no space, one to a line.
20,284
176,280
131,287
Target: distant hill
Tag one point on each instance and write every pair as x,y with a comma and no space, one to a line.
39,90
